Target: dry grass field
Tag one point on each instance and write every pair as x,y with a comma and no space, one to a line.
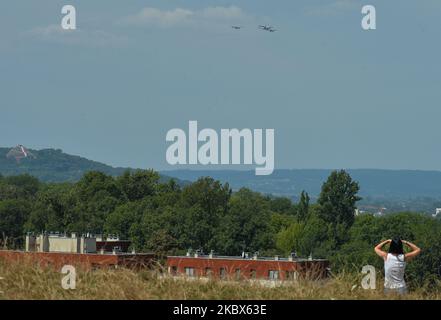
26,281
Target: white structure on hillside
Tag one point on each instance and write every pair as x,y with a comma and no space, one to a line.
437,212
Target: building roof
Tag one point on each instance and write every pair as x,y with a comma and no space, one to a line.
250,258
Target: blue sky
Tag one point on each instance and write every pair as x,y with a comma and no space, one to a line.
337,96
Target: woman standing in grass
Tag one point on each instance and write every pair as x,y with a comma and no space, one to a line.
395,263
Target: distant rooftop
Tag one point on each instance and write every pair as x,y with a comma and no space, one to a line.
247,256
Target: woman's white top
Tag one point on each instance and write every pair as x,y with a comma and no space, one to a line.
394,266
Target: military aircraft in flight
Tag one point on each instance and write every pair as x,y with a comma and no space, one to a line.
267,27
236,27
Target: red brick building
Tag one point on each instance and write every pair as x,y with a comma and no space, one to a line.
237,268
83,260
85,251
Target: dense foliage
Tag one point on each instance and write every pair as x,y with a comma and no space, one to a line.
165,218
386,190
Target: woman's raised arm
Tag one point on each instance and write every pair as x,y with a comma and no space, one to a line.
415,250
380,252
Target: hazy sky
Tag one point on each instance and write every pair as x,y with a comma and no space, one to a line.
337,96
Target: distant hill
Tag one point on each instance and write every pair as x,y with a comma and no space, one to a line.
373,182
395,189
52,165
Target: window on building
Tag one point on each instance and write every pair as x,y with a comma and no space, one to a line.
208,272
223,273
174,270
237,274
273,275
253,274
189,271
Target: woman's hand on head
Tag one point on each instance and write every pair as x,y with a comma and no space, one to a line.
415,250
378,249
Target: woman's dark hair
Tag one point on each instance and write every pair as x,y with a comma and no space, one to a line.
396,246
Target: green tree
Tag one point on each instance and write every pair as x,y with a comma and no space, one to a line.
282,205
120,221
13,214
210,195
315,237
98,195
203,205
164,230
246,226
95,182
19,187
291,239
52,209
139,184
279,222
338,198
303,206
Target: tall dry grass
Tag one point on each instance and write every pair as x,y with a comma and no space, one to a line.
28,281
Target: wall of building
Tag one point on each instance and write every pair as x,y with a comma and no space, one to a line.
86,261
58,260
55,243
87,245
109,245
68,245
247,268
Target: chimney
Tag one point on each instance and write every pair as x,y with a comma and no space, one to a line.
276,258
210,256
292,256
28,240
255,255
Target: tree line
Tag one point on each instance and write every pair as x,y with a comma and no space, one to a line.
166,218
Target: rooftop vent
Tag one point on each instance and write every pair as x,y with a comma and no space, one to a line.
292,256
198,253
